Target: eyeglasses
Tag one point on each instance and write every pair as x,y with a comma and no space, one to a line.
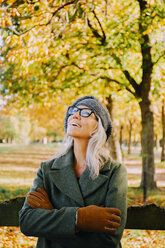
84,112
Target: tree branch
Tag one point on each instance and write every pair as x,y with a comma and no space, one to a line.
73,63
117,82
44,24
130,79
94,31
161,56
80,68
132,82
27,30
61,7
104,36
68,65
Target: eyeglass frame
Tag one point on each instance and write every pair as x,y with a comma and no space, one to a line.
80,109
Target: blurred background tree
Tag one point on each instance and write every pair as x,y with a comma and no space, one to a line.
7,131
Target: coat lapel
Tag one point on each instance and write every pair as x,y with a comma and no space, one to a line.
88,185
64,177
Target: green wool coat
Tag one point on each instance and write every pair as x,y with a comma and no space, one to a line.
56,228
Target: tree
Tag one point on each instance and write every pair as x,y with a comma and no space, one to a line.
163,131
159,112
119,45
114,144
7,130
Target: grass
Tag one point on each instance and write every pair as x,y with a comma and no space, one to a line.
7,193
135,196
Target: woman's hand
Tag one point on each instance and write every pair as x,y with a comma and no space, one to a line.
98,219
39,199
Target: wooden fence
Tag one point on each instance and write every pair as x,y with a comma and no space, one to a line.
149,217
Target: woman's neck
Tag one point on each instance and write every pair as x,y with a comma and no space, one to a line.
80,149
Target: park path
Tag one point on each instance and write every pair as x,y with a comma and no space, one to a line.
134,168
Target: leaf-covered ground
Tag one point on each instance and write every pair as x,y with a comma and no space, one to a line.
15,161
11,237
143,239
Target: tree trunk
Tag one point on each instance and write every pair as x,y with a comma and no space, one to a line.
121,137
113,142
129,139
163,129
147,141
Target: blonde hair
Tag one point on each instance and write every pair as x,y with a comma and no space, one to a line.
97,152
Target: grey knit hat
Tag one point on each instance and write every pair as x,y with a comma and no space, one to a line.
101,111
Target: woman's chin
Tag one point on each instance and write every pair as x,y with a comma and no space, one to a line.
73,132
73,135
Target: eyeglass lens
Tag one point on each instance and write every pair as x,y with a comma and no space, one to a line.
84,112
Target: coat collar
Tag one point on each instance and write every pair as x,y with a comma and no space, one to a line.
89,185
63,176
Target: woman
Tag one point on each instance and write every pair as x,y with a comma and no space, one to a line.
79,197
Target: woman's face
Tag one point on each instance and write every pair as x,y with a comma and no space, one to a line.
81,127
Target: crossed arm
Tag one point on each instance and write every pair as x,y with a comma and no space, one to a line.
90,219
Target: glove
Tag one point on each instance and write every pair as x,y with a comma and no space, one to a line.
98,219
39,199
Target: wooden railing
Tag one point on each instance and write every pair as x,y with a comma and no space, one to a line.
149,217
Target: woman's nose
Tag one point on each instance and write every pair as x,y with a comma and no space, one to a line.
76,115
